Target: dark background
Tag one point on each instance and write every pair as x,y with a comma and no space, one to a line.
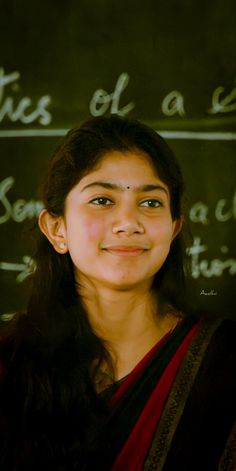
68,50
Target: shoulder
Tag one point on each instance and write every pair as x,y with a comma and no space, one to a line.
216,376
222,338
211,359
217,333
214,391
216,338
210,408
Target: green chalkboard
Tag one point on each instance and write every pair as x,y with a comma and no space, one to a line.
170,64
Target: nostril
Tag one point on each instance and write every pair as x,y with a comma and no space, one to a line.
128,228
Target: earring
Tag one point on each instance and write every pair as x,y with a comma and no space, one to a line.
62,245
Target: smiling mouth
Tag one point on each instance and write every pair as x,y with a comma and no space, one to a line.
125,251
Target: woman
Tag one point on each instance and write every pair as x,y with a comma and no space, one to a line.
107,370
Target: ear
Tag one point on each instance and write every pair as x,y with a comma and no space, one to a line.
53,227
177,226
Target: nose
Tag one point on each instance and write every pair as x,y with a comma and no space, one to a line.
127,222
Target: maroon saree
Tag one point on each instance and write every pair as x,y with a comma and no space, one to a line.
152,409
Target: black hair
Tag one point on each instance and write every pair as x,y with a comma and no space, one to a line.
52,356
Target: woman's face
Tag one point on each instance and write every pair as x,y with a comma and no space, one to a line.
117,223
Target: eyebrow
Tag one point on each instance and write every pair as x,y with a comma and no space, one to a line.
115,186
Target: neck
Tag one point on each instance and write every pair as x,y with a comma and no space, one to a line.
128,321
115,314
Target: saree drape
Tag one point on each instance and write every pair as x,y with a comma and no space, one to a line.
176,409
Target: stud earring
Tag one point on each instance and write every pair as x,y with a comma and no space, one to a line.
62,245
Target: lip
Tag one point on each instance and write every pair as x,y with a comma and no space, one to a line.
125,251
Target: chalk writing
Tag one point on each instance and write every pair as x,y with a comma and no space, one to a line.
224,211
26,268
173,103
222,102
19,112
20,209
101,100
227,215
206,268
225,103
26,112
199,212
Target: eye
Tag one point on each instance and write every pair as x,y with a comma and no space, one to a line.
102,201
151,203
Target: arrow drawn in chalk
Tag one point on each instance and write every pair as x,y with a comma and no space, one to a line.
26,268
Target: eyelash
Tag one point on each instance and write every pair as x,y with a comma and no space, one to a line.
152,201
110,202
101,199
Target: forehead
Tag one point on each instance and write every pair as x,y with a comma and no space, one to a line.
127,168
116,158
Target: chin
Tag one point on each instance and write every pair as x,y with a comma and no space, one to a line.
126,284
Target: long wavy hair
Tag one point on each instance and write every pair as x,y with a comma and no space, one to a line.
52,414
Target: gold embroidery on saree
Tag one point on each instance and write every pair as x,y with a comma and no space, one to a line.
179,394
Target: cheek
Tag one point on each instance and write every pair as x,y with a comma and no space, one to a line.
163,232
91,229
84,239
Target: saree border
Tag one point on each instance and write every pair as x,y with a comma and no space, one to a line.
177,399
